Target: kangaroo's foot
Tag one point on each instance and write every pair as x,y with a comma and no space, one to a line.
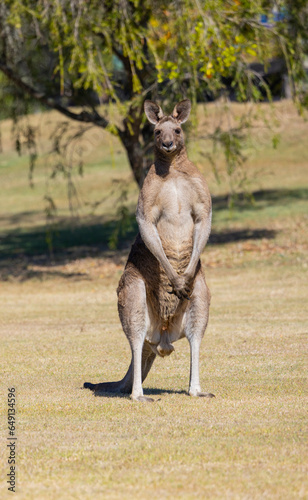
200,394
143,399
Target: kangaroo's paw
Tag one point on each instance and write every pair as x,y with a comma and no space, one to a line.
143,399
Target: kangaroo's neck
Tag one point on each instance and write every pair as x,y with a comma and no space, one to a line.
163,162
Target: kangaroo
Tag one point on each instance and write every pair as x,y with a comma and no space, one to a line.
162,294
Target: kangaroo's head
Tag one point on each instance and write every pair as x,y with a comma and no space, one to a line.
168,134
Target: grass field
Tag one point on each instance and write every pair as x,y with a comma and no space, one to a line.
59,327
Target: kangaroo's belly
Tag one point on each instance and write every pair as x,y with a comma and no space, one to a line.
176,234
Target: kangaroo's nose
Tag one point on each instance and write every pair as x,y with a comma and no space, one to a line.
167,144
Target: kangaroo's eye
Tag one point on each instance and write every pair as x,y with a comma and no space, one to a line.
177,131
157,132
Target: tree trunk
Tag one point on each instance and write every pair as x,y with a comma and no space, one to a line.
136,138
135,157
138,154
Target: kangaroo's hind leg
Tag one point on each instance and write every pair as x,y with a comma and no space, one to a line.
133,314
132,306
196,322
126,384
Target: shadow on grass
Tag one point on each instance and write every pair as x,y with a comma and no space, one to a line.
67,238
70,241
149,391
263,198
22,248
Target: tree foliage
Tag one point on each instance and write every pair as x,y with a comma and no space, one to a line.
72,55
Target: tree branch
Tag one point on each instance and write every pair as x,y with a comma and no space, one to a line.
85,116
121,57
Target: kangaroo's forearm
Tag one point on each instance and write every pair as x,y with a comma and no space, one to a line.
152,240
201,234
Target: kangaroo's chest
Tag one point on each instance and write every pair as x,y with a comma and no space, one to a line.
175,200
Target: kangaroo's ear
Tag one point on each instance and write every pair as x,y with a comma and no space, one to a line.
181,111
153,112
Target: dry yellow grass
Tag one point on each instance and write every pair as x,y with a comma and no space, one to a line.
59,328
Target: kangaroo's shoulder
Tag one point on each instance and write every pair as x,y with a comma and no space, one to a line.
150,189
196,179
152,176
